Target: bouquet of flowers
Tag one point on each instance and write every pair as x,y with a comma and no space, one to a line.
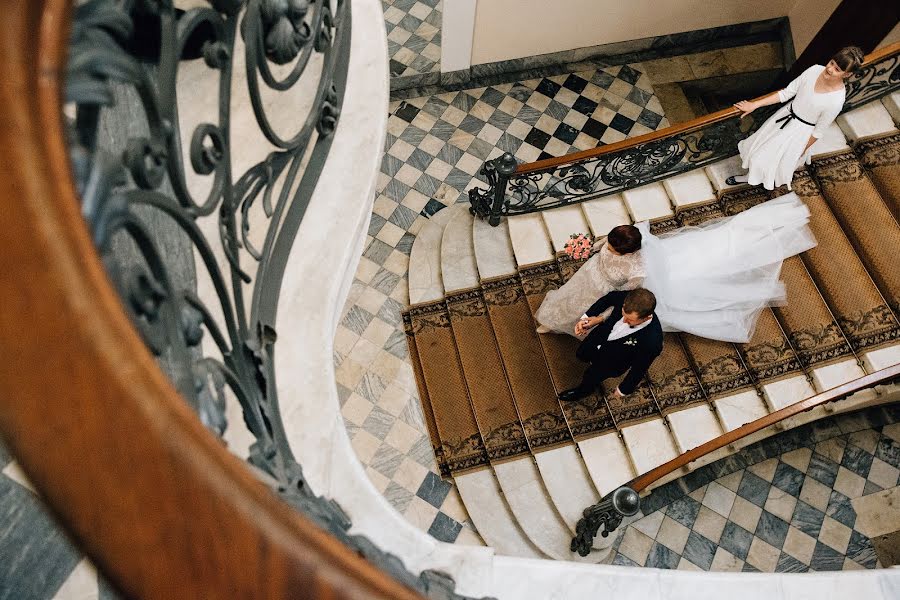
579,246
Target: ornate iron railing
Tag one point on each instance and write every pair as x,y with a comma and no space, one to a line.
524,188
140,45
605,516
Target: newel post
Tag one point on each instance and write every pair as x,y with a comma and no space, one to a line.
489,203
609,513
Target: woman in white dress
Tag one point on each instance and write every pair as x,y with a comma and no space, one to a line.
782,144
617,266
712,280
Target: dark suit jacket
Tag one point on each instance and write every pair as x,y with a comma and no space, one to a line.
633,353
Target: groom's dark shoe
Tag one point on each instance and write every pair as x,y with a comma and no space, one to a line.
571,395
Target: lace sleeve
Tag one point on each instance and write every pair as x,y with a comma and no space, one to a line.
636,274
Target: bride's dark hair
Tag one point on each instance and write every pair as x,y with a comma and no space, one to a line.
625,239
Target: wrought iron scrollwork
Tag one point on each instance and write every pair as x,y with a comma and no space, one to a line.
608,514
140,44
530,188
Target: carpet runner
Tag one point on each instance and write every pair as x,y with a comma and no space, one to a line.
488,383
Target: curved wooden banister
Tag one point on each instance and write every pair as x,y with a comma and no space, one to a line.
156,502
643,481
699,122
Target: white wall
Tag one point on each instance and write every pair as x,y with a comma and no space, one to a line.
457,29
807,18
507,29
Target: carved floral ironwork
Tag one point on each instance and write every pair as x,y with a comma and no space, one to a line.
140,45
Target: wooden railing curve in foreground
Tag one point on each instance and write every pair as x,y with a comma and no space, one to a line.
625,501
154,499
553,182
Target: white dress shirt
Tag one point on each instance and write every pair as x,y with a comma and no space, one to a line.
621,329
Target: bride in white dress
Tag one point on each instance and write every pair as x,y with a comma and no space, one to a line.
712,280
782,144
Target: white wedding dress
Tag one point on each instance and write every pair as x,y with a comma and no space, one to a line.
714,280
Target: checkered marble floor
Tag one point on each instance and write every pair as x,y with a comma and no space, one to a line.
414,36
433,151
789,513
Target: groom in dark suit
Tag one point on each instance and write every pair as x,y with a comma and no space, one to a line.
628,339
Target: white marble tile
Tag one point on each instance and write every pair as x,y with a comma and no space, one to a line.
534,511
607,461
882,358
892,103
836,374
720,171
878,513
81,584
740,408
786,392
650,444
694,426
458,268
493,249
563,222
605,213
567,481
689,188
493,520
832,141
530,241
647,202
869,119
425,283
15,472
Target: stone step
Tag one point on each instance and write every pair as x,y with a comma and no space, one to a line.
458,268
892,103
605,213
689,188
529,239
488,510
568,482
608,462
425,283
563,222
867,120
650,444
648,202
523,488
494,255
694,426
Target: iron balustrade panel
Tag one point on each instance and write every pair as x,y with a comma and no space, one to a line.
519,189
140,44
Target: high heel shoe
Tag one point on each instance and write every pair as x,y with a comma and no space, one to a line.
543,329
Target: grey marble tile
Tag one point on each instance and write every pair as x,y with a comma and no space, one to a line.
433,490
385,281
444,528
861,550
5,457
684,510
423,453
772,529
822,469
37,557
661,557
788,479
789,564
396,345
375,224
379,422
808,519
623,561
857,460
736,540
888,450
357,319
754,489
826,559
371,386
377,251
403,217
386,460
840,509
699,550
398,496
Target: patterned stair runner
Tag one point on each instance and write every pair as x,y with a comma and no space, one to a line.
881,158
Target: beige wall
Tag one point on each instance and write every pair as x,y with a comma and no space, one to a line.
506,29
807,18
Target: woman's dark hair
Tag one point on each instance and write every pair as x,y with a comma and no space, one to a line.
848,59
625,239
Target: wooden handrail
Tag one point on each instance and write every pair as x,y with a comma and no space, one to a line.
156,502
641,482
698,123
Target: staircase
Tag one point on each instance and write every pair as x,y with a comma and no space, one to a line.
524,465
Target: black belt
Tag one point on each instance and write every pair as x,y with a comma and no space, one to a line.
788,117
